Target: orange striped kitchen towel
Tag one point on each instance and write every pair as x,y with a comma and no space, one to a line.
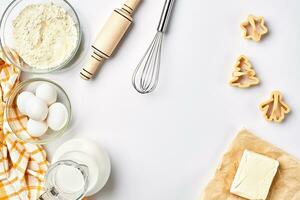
22,165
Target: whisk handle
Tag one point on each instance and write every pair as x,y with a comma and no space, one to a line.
165,15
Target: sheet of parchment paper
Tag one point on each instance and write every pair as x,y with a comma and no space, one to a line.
285,186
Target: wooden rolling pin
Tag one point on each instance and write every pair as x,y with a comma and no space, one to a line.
109,37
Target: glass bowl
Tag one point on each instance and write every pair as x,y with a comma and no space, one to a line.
6,33
18,126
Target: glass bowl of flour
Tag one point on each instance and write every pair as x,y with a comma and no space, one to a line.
40,36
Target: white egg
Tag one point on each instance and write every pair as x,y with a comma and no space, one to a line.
36,109
57,116
36,128
22,100
46,92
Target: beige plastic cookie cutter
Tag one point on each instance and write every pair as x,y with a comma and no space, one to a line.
254,28
243,76
275,108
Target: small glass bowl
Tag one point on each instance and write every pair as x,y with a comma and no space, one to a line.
11,110
6,33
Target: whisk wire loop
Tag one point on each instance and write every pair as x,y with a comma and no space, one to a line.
145,73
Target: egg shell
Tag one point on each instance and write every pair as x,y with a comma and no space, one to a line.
36,128
36,109
46,92
57,116
22,100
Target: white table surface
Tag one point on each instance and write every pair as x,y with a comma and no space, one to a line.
166,145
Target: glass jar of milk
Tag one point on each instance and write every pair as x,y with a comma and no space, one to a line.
66,179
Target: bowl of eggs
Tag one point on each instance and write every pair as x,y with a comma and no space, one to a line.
38,111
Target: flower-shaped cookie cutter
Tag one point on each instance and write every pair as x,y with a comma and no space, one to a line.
254,28
243,76
275,108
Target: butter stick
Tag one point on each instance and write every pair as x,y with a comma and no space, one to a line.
254,176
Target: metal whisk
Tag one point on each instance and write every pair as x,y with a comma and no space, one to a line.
146,75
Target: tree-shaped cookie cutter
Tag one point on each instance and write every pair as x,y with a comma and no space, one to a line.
243,76
254,28
275,108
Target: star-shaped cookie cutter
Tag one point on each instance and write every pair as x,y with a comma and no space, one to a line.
243,76
275,108
254,28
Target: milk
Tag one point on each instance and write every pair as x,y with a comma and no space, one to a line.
87,160
66,179
87,153
69,179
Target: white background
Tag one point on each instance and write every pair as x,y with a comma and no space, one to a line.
166,145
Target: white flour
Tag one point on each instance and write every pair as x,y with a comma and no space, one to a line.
45,35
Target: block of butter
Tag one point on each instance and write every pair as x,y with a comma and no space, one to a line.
254,176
